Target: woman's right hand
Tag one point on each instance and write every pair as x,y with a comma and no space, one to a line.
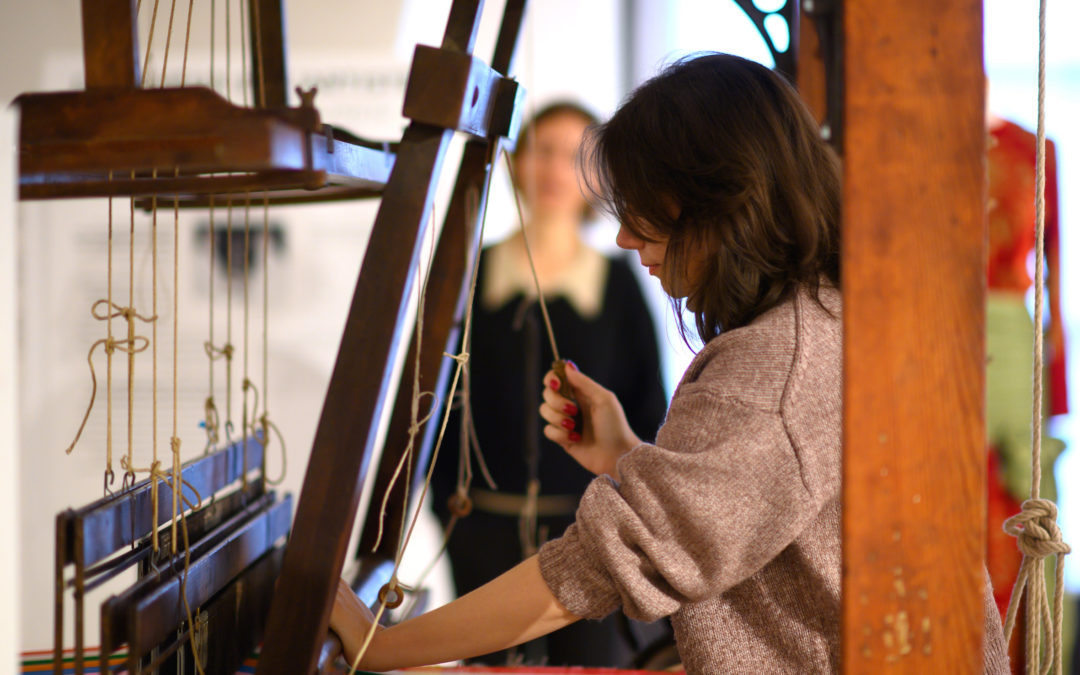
607,435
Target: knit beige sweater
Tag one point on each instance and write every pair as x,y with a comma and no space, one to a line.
730,523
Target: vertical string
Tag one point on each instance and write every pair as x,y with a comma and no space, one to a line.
243,51
129,474
1040,223
265,326
108,357
228,50
245,419
187,43
213,39
228,319
168,43
174,443
149,44
211,421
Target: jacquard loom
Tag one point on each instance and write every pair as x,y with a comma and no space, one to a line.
900,85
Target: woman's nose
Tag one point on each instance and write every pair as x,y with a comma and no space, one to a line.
626,239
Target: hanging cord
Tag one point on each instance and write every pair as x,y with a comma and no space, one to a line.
243,52
394,587
532,263
129,477
245,384
212,420
213,39
227,351
168,43
1035,527
131,345
110,476
228,50
392,593
149,43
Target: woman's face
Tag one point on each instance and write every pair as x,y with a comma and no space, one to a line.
653,255
545,167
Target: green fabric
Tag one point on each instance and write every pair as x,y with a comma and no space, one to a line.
1009,339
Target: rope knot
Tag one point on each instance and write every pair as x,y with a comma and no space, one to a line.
462,358
1036,529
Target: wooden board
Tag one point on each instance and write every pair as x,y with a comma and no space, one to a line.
914,291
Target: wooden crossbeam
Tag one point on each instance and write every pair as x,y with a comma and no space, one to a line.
70,141
914,280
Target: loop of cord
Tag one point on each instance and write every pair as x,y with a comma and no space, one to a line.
132,344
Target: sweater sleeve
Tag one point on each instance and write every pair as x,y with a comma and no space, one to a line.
719,496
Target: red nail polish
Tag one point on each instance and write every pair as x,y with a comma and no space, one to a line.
554,384
572,364
574,437
568,423
570,409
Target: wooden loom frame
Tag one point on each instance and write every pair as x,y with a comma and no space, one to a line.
914,288
221,149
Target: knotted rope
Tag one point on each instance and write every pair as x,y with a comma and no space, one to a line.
1035,527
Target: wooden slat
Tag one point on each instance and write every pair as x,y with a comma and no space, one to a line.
110,51
111,523
914,291
155,615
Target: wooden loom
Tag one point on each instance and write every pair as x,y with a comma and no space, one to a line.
111,140
907,83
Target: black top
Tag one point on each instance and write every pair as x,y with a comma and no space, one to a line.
510,353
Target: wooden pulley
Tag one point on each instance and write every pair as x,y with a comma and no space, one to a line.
391,596
459,504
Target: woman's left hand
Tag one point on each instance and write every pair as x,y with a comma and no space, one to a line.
351,620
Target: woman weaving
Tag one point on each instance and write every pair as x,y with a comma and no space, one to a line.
730,522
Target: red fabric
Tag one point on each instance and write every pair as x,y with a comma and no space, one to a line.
1002,555
1011,211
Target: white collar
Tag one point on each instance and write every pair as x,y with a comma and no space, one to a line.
507,274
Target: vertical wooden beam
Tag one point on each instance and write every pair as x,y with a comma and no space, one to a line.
110,45
810,73
267,22
345,436
914,290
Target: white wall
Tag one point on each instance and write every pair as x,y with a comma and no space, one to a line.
357,53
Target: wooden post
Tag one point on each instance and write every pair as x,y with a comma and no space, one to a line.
914,357
110,46
267,33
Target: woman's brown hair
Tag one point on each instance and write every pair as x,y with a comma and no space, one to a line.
720,152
